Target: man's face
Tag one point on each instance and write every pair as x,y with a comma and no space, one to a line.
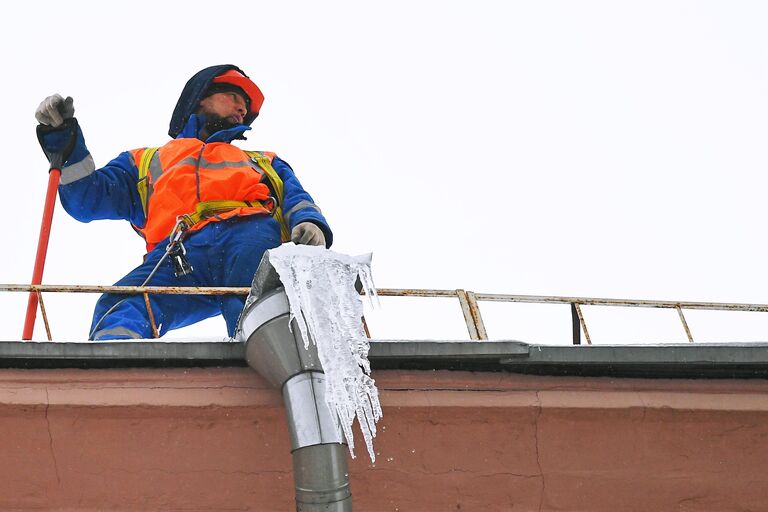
227,106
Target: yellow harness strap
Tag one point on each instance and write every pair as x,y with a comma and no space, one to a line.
143,183
208,209
265,163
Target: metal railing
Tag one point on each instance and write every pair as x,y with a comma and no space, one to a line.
468,300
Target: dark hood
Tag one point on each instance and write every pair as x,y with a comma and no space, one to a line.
193,93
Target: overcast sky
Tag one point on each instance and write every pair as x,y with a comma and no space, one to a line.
584,148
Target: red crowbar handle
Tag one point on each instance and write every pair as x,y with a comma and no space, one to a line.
42,250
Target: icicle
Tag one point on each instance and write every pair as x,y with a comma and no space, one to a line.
320,285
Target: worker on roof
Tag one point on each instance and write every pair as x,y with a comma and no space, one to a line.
225,206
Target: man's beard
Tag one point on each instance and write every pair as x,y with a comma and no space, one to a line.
214,123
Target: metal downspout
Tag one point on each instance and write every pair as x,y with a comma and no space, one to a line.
277,353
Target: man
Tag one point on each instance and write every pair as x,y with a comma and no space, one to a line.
222,207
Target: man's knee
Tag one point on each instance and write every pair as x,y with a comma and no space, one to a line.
120,319
115,333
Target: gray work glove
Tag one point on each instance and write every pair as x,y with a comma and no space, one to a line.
307,233
54,110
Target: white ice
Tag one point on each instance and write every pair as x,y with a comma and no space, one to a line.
320,285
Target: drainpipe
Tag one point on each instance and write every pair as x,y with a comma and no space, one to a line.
277,353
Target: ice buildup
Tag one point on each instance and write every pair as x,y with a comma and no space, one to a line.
320,285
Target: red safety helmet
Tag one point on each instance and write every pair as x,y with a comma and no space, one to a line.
238,79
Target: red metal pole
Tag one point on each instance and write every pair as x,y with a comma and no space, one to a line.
42,250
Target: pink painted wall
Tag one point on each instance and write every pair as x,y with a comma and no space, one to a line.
215,439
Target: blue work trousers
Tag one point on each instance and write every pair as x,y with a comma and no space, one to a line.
223,253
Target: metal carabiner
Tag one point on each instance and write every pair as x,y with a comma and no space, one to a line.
176,249
181,264
178,231
275,205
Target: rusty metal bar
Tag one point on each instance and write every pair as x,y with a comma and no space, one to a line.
395,292
575,325
583,322
365,328
477,318
193,290
408,292
45,316
137,290
151,316
468,319
588,301
685,324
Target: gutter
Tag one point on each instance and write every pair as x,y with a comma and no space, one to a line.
690,360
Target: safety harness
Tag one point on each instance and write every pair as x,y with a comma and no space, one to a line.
207,209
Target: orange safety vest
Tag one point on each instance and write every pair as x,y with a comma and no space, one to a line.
206,182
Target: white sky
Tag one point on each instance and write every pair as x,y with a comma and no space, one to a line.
590,148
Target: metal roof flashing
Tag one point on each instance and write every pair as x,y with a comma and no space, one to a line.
700,360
